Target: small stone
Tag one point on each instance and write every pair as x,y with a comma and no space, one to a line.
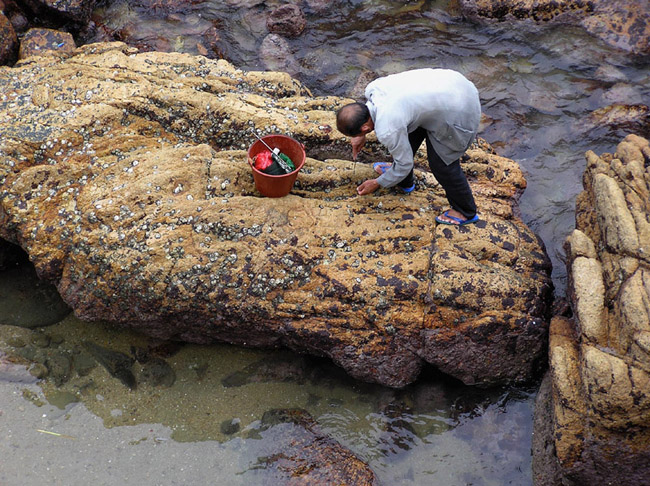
229,427
59,366
40,340
16,341
38,370
287,21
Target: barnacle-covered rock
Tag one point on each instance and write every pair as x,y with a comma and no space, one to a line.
599,394
623,23
124,177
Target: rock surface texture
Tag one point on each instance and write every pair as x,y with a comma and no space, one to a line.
621,23
122,176
600,360
287,21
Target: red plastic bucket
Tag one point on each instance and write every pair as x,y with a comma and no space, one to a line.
277,185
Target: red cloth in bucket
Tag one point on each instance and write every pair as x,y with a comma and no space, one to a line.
263,160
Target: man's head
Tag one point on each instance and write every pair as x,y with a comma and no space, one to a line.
354,120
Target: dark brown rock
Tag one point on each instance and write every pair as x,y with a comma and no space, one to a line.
77,11
8,41
38,42
287,21
19,21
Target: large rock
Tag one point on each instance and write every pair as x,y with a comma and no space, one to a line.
600,360
123,177
621,23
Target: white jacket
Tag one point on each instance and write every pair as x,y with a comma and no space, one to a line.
442,101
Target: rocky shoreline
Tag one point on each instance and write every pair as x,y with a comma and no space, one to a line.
597,430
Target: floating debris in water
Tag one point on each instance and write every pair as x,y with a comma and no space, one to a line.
55,434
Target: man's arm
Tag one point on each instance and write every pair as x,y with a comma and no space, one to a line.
367,187
398,145
357,144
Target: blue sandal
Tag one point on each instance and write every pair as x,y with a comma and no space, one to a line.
459,222
382,167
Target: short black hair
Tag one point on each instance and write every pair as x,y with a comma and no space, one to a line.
351,117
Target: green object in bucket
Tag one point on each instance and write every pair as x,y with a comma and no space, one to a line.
289,162
281,165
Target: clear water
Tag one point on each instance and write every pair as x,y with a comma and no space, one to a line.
86,423
539,88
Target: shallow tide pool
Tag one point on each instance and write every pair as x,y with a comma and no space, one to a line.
112,405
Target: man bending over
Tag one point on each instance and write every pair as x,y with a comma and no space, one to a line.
440,106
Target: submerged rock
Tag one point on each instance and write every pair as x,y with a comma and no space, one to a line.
599,430
622,23
77,11
278,369
123,177
156,372
119,365
276,55
305,455
12,372
287,21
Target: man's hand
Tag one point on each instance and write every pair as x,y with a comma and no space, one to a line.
367,187
357,144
